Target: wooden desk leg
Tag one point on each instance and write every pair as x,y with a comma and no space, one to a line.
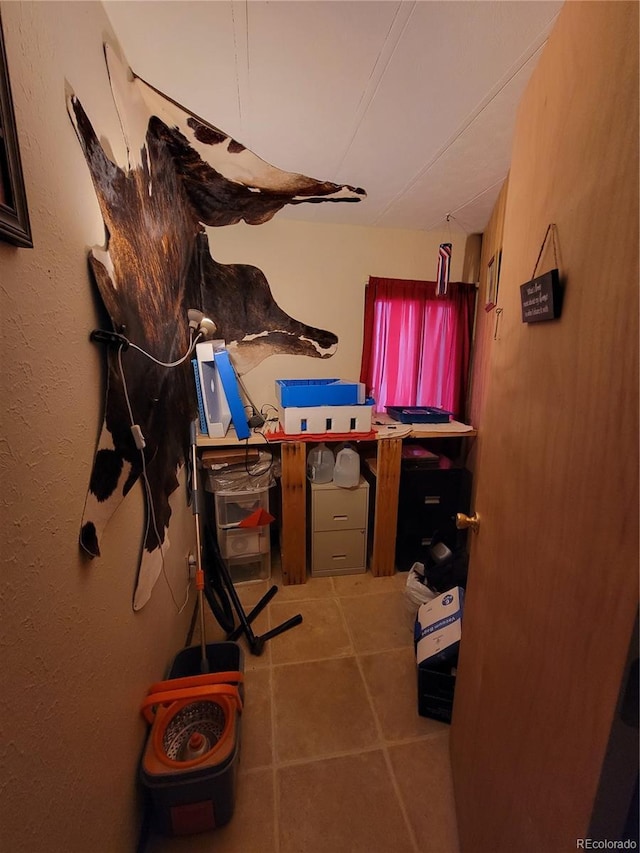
383,558
294,512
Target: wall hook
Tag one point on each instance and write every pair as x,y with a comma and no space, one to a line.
495,330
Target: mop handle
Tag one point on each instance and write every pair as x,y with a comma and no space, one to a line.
195,497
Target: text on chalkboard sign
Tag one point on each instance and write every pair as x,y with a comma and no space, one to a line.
541,298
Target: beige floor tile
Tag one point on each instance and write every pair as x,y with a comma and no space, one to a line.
257,739
423,774
251,593
340,805
313,588
321,708
345,585
391,679
252,827
317,701
322,633
377,622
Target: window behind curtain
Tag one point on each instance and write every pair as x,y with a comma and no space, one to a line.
417,345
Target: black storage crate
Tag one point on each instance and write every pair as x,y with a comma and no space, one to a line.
436,686
428,501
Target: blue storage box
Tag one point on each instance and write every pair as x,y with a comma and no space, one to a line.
419,414
319,392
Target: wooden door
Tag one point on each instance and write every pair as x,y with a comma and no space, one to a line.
553,582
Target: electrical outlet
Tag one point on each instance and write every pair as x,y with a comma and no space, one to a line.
191,566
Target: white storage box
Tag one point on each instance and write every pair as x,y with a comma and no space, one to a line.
254,567
244,541
438,628
317,420
232,507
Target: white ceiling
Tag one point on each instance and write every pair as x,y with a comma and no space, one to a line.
413,101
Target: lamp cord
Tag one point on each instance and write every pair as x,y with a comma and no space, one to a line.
151,515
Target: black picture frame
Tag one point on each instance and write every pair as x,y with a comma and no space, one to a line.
14,214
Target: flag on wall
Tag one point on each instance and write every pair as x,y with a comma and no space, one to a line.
444,262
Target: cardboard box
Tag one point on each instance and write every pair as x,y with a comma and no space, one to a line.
216,459
437,636
438,628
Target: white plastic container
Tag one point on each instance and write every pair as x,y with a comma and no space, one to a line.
320,464
251,568
346,471
318,420
232,507
243,541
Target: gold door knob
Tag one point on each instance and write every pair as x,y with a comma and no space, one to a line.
463,521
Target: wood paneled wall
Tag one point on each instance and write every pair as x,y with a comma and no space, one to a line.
487,322
553,585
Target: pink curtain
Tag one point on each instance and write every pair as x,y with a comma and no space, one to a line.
417,345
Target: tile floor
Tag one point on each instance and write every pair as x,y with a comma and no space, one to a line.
334,757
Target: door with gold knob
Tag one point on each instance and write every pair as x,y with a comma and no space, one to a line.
552,590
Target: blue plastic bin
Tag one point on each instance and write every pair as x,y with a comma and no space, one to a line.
419,414
319,392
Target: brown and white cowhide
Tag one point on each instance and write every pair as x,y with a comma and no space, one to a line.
182,174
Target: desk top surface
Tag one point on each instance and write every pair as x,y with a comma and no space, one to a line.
382,429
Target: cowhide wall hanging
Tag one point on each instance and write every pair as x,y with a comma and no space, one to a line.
182,173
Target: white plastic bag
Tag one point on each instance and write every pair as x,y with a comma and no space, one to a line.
416,591
241,477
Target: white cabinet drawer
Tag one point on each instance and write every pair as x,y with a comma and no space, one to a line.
334,508
338,552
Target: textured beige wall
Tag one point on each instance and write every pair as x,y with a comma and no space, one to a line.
318,275
487,327
75,659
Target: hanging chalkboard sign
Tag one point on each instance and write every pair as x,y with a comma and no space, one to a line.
541,298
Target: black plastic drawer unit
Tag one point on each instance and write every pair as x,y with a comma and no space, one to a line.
427,505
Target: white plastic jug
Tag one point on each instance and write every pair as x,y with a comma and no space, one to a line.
346,472
320,464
